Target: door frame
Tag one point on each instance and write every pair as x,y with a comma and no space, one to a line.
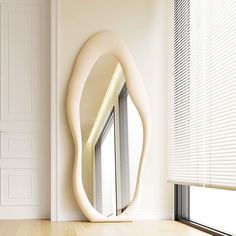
54,110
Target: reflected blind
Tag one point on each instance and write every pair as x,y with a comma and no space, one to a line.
202,100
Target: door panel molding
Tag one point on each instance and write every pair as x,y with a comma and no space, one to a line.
25,110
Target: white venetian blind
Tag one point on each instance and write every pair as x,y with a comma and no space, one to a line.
202,105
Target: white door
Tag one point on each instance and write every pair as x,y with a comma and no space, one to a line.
25,109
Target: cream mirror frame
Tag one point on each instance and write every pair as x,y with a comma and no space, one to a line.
96,46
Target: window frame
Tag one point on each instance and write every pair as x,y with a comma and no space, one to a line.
182,211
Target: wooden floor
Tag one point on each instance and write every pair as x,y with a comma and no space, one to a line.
138,228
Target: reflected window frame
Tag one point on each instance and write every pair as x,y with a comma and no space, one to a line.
97,165
124,149
119,117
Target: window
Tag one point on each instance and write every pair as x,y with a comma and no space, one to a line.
217,208
202,131
211,210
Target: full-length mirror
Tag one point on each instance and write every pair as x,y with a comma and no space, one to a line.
112,138
111,143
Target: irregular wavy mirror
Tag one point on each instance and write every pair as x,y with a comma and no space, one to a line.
112,138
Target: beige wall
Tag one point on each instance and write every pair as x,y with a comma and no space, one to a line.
143,26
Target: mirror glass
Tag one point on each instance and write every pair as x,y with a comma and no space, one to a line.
112,135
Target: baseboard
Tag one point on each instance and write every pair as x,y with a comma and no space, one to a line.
72,216
159,214
22,213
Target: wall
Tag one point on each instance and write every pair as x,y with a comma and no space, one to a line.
143,26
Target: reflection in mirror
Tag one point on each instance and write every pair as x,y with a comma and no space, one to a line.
105,182
112,136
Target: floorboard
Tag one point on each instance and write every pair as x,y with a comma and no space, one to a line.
137,228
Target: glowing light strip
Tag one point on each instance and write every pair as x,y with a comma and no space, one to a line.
110,92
